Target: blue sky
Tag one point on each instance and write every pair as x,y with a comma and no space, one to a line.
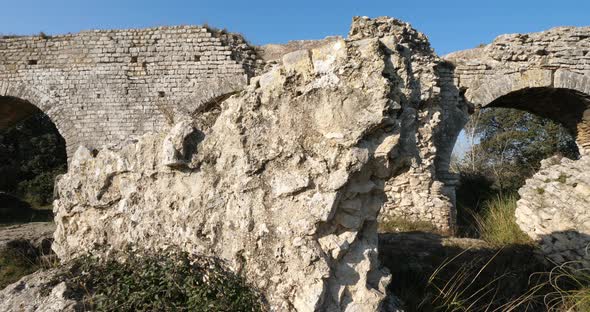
450,25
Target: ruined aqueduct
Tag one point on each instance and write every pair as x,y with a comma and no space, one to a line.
302,147
104,87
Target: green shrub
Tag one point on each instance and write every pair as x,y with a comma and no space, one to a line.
497,223
32,154
38,191
162,282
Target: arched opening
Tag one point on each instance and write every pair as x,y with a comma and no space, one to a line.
515,131
32,155
504,143
561,105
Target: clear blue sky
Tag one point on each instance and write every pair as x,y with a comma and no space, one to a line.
450,25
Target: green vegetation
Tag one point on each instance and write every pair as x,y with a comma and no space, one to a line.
171,281
508,279
565,287
506,148
496,224
458,278
506,273
32,154
160,282
13,266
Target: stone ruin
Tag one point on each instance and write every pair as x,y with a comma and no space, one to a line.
553,209
311,143
283,160
548,74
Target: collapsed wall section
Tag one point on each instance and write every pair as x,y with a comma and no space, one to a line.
284,180
553,209
422,188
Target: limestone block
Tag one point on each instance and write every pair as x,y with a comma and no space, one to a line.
298,61
553,209
572,80
175,146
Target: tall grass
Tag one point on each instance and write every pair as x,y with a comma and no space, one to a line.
13,266
462,291
496,223
481,286
489,277
565,288
510,280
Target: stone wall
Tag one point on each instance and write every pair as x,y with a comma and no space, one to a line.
284,180
548,74
102,87
553,209
421,189
283,172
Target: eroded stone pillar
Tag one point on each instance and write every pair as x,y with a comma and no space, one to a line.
583,134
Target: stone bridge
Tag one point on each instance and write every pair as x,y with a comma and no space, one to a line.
102,87
546,73
105,87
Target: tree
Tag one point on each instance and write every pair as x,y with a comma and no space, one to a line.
504,148
508,145
32,154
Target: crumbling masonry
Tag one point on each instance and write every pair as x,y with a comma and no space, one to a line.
283,159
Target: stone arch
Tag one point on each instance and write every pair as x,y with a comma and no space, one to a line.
560,95
557,94
18,101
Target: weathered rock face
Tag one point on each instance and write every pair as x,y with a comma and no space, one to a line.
553,209
38,292
285,180
422,188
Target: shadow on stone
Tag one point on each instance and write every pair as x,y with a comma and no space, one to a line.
432,272
15,210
